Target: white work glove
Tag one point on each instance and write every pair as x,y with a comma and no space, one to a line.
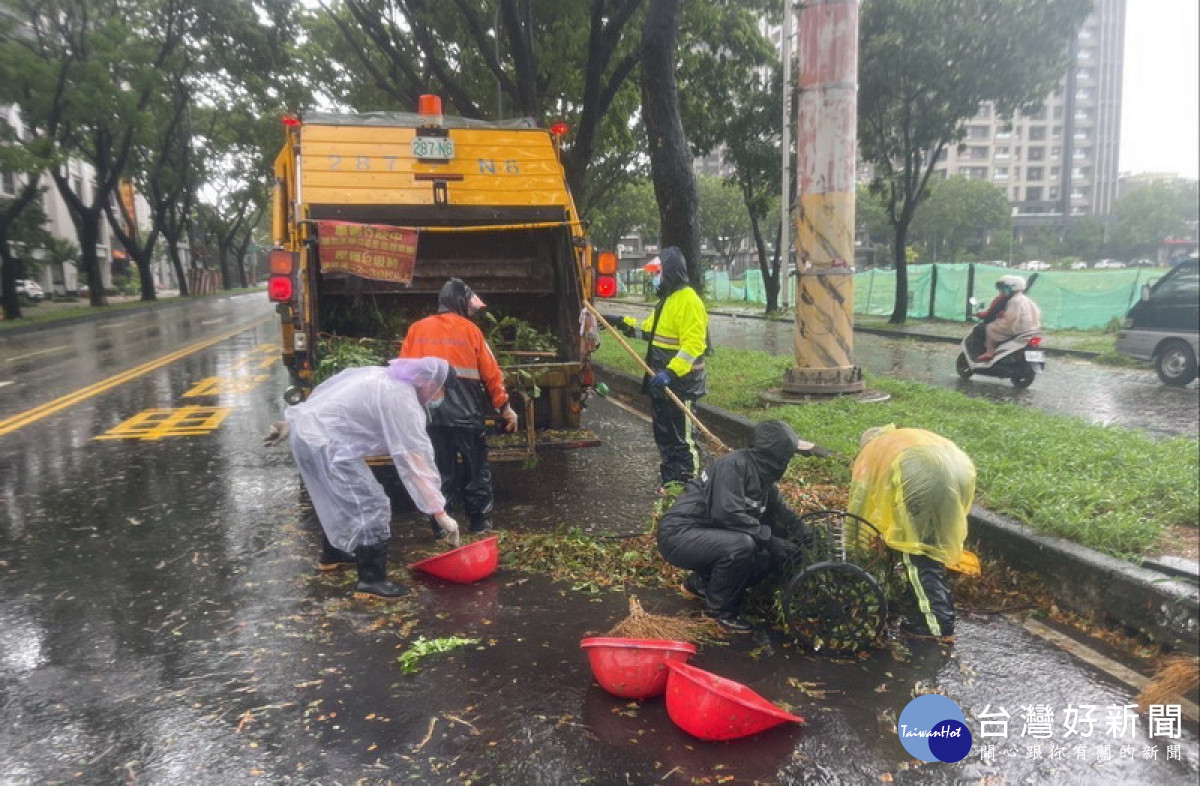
510,418
450,527
279,433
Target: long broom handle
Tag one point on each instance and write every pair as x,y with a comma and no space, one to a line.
717,444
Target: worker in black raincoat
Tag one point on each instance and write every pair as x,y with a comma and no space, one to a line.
730,526
677,333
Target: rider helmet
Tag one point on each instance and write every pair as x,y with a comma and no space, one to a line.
1013,283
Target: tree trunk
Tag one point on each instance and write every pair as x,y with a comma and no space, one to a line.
900,262
8,272
177,264
770,280
87,226
670,159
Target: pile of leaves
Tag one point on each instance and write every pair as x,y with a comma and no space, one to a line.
588,563
508,334
423,647
338,353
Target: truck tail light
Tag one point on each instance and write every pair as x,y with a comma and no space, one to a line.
1035,342
281,262
606,274
606,263
606,286
279,288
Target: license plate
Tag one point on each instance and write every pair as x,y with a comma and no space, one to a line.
440,148
1034,356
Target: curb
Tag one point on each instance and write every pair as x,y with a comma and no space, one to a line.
100,316
1162,607
1078,353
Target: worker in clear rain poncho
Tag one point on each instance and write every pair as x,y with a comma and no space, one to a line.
361,412
917,488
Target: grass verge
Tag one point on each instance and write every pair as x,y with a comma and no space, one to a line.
1109,488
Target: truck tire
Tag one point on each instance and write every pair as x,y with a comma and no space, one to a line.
1175,364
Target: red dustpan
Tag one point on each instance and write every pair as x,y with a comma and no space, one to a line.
634,668
714,708
465,564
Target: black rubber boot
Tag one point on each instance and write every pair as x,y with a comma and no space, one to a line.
693,585
481,526
731,621
333,558
372,574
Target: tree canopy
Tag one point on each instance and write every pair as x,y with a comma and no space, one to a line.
1147,216
927,65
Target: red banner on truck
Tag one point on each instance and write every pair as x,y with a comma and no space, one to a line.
377,252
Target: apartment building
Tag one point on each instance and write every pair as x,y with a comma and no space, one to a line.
1059,160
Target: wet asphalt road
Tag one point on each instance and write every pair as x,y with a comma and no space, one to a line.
1098,394
161,621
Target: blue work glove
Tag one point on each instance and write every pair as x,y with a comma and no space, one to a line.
618,322
662,379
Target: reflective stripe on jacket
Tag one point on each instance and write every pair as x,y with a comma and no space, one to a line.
461,343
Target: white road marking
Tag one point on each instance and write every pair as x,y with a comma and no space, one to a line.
111,325
212,321
15,358
3,384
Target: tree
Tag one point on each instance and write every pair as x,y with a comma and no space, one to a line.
927,65
631,208
751,139
567,60
1144,218
670,159
960,215
723,221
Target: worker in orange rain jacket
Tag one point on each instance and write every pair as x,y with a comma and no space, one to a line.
678,336
456,428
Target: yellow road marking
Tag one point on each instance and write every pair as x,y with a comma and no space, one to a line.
11,424
216,386
154,424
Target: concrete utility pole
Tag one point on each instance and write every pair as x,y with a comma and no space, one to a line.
785,143
826,132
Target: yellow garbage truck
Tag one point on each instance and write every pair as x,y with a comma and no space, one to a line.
373,212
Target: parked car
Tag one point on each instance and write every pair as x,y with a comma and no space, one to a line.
1081,265
1164,326
1035,264
1109,264
30,291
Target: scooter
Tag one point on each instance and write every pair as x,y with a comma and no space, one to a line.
1019,359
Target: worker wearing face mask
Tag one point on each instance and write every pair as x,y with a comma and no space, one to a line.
677,333
357,413
456,428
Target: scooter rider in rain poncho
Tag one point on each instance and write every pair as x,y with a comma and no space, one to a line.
727,524
1011,314
917,487
363,412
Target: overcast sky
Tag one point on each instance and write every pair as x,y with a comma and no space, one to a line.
1160,123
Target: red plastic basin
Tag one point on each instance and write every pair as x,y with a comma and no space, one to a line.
634,668
714,708
464,564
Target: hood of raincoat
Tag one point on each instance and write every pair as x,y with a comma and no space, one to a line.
772,447
455,296
674,271
427,376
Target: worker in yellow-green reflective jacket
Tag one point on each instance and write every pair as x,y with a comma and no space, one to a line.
677,333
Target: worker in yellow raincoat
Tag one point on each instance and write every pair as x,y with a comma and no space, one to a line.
917,488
